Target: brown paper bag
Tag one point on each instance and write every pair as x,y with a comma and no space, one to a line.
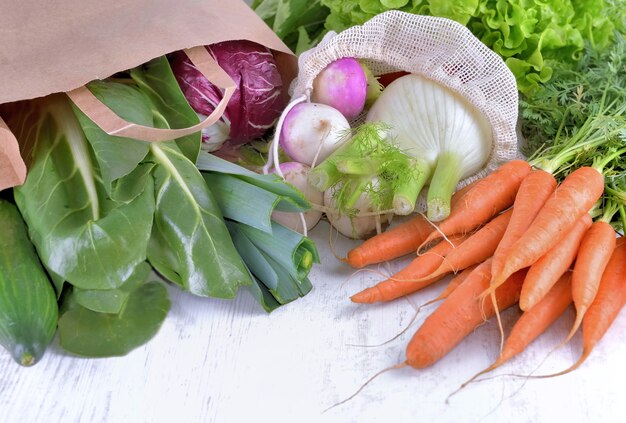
50,47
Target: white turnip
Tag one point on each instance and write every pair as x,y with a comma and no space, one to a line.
296,174
311,132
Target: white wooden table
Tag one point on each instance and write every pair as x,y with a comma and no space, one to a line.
228,361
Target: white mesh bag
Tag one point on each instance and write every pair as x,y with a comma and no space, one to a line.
437,48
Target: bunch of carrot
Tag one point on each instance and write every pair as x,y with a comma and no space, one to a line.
516,236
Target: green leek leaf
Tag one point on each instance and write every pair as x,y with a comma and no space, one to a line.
291,198
293,251
241,201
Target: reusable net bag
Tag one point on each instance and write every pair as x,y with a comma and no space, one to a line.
437,48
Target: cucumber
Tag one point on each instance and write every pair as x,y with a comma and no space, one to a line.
28,306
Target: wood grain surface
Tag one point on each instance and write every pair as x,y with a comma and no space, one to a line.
228,361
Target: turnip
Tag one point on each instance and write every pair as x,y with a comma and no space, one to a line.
311,132
296,174
342,85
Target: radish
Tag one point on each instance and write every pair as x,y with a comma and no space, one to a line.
311,132
343,85
296,174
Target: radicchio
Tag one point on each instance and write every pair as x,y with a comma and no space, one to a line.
255,105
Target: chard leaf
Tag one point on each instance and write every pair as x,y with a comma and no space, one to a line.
92,334
116,156
191,246
81,235
157,81
112,300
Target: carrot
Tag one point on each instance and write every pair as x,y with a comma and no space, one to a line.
397,241
489,196
533,323
609,300
459,315
476,249
593,256
408,279
572,198
449,289
452,285
548,269
533,192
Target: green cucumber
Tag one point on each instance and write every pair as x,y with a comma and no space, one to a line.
28,306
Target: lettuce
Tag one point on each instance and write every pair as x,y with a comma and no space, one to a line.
530,35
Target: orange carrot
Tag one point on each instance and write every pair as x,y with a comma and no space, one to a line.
533,192
452,285
534,322
459,315
476,249
593,256
548,269
490,195
407,280
609,300
397,241
572,199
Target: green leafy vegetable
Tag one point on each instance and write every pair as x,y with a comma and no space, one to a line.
112,300
295,21
530,35
116,156
189,224
80,233
292,200
92,334
170,109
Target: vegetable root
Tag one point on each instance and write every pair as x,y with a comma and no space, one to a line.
476,249
593,256
533,192
408,280
548,269
488,197
397,241
609,300
533,323
459,315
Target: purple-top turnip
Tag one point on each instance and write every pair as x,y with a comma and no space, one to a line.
342,85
